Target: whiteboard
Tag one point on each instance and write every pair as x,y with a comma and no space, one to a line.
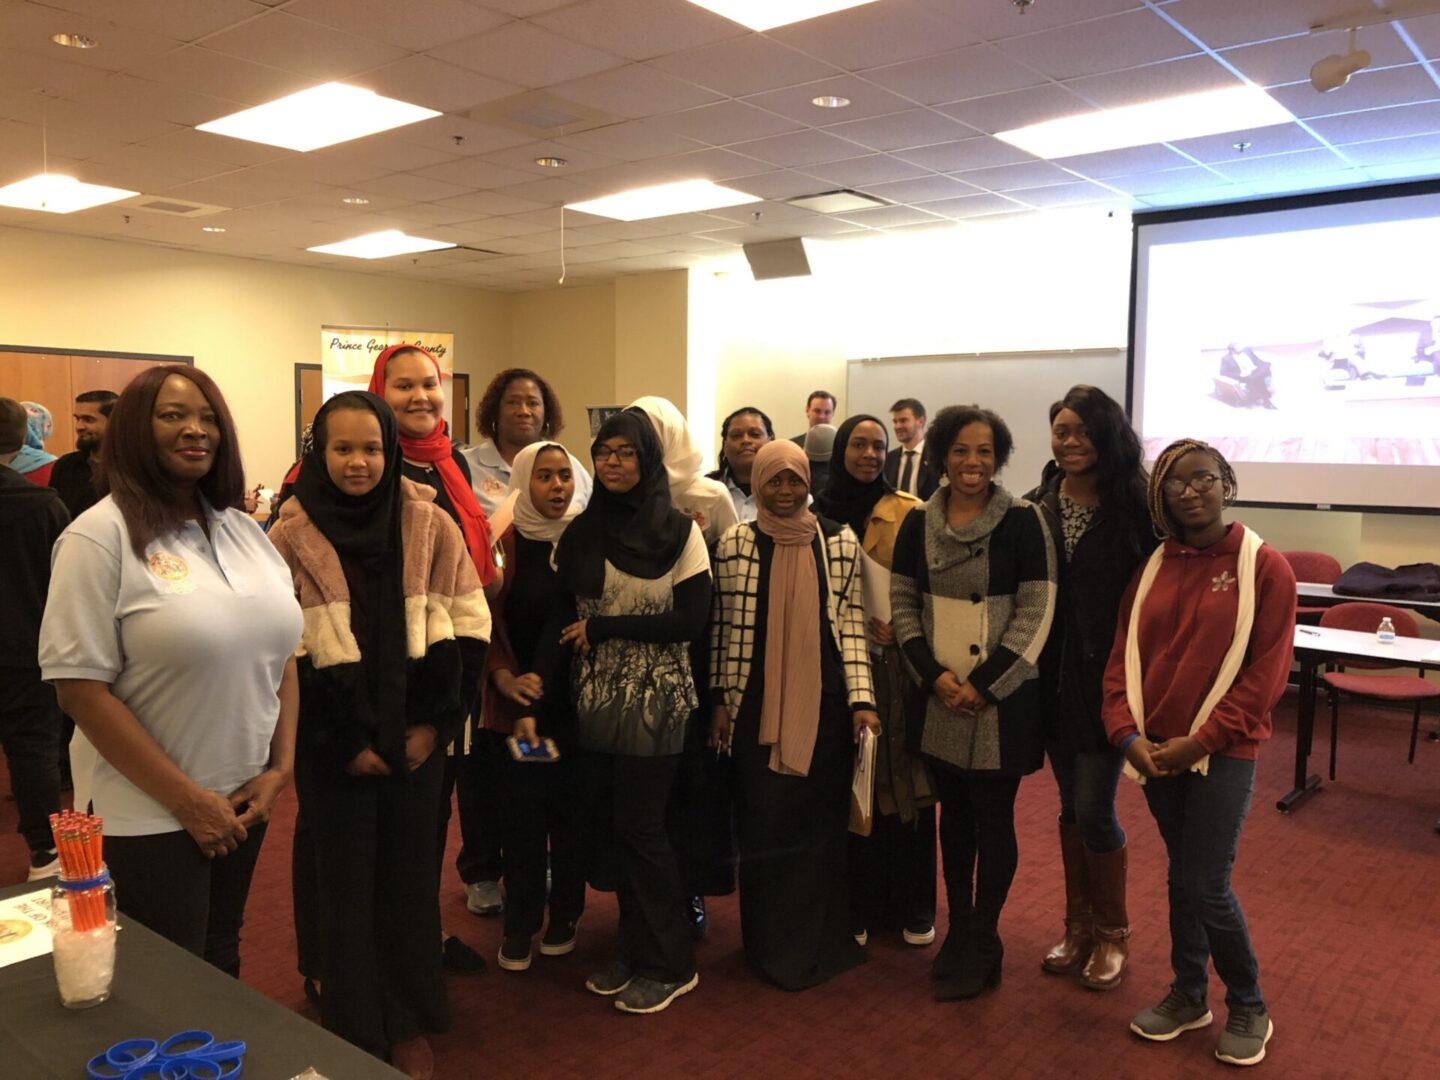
1020,387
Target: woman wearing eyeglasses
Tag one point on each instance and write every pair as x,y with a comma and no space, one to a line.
1201,655
638,574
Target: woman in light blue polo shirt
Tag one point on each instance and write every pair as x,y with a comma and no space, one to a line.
185,698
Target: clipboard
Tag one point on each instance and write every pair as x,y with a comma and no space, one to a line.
862,786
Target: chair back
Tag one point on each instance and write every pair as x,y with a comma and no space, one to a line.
1365,617
1315,566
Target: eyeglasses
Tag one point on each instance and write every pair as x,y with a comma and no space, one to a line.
601,454
1200,483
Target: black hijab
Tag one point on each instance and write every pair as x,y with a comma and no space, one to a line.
366,529
844,498
640,532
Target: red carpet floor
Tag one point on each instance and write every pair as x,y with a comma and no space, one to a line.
1343,899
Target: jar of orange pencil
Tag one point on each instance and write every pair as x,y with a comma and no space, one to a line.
82,912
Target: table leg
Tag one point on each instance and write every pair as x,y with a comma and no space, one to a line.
1304,735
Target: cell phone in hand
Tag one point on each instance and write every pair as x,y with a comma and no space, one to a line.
541,749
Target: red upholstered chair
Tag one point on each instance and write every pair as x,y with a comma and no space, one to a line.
1366,617
1317,568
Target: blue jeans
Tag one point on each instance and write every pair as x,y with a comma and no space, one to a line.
1200,819
1087,795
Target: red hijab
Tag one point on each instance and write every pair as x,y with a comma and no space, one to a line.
435,449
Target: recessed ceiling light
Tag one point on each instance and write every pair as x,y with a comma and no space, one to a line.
768,14
59,194
321,116
355,200
212,228
681,197
1187,117
74,41
551,162
830,101
381,245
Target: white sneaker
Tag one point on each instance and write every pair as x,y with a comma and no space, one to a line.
49,869
484,898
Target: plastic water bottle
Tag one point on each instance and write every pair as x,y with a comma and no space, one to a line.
1386,634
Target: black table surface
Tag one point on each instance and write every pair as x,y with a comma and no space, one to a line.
160,989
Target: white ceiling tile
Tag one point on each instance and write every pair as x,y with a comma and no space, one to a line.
247,188
46,75
744,65
974,206
798,102
143,97
766,213
1153,82
1078,194
25,28
888,217
808,147
1125,40
725,122
434,84
183,21
1029,174
1002,112
630,141
639,29
1424,31
415,24
203,144
780,184
413,186
994,22
878,34
550,192
523,158
207,72
1365,90
964,73
1277,62
1379,123
283,41
635,90
1275,139
487,203
162,169
456,137
1246,169
1124,162
326,170
979,152
469,175
898,131
712,163
106,120
526,55
922,190
870,169
23,145
1173,180
1223,23
1393,151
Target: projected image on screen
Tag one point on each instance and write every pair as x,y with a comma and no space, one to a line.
1303,343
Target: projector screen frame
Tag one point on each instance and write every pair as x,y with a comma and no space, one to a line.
1241,208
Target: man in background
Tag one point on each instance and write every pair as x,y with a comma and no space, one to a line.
74,474
819,409
31,519
907,467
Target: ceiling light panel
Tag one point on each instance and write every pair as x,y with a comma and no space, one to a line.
662,200
321,116
381,245
768,14
1187,117
59,194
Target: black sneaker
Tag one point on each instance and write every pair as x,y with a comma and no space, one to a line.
459,957
698,922
515,954
1174,1016
559,938
1245,1035
612,980
919,932
650,996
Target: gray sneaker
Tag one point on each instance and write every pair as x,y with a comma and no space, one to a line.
1173,1016
1245,1035
610,981
650,995
484,898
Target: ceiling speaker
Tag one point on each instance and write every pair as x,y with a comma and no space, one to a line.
777,259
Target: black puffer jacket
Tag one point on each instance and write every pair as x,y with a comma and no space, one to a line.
31,520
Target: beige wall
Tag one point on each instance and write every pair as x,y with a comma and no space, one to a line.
246,322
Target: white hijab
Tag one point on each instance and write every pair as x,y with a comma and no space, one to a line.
529,522
682,458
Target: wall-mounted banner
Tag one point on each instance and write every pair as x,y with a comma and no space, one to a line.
348,352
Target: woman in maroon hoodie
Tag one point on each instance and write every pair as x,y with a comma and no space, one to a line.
1202,652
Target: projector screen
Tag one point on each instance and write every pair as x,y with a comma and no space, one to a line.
1301,338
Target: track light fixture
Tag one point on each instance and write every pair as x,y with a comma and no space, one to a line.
1334,72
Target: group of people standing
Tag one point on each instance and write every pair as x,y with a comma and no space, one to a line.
649,656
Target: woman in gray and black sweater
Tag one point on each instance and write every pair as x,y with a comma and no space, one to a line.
972,595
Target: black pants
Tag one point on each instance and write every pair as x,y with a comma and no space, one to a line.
892,873
977,840
540,803
626,797
166,882
474,777
30,733
700,818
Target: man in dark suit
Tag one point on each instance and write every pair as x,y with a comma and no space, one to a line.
819,409
1250,373
907,467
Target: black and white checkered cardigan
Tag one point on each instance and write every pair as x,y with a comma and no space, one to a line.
732,629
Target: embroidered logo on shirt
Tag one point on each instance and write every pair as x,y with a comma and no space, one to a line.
171,568
493,486
698,518
1222,583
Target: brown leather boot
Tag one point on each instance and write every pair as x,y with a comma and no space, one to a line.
1112,923
1074,948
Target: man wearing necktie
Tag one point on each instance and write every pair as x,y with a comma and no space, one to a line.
907,467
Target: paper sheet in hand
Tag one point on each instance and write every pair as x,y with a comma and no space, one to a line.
862,787
25,926
504,515
875,583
